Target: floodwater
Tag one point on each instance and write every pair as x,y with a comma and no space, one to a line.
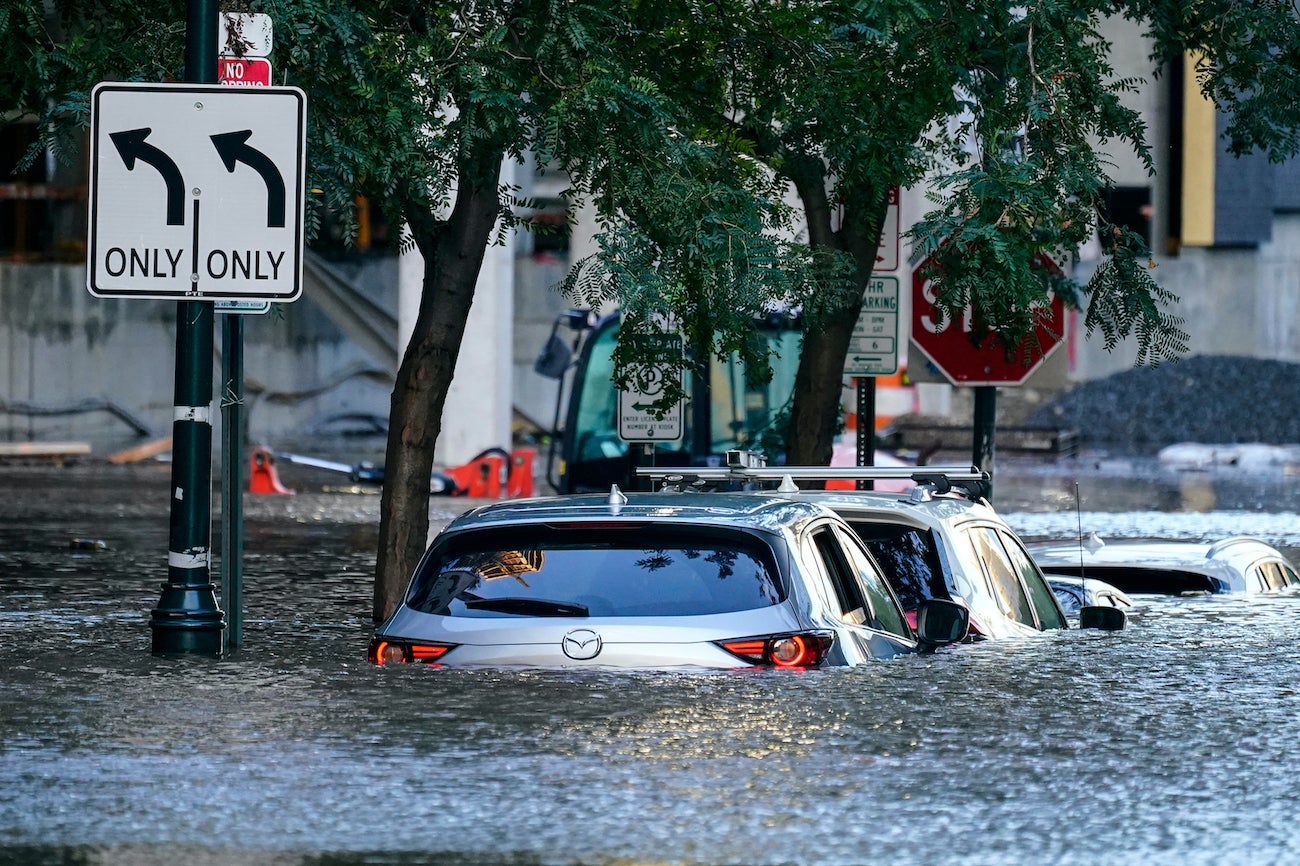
1172,742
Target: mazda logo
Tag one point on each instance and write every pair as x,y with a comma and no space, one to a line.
581,644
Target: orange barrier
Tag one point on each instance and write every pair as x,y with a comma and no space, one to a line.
480,478
493,474
519,481
262,477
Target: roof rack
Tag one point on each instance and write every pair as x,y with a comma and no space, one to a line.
748,466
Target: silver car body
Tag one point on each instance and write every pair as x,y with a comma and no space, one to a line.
1233,565
791,529
985,565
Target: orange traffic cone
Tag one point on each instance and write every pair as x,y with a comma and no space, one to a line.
262,477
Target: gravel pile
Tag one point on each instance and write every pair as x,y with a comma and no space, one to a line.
1217,399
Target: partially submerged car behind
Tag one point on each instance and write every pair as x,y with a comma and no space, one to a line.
1166,567
649,580
941,540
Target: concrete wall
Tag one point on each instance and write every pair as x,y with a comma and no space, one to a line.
60,346
1234,301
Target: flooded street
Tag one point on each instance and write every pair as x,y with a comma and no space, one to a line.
1171,742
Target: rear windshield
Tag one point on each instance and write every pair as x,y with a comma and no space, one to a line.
637,571
1138,580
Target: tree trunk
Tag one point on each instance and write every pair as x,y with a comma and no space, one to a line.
814,412
453,256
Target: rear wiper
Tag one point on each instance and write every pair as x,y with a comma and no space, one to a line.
528,606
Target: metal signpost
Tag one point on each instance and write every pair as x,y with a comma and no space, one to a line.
947,343
239,36
196,195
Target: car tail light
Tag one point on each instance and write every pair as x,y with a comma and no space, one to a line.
798,650
384,651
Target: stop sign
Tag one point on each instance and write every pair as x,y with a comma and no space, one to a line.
948,345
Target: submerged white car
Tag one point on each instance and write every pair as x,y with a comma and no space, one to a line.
939,540
1233,565
652,580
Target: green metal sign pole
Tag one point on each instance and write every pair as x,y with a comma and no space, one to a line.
187,619
986,411
232,477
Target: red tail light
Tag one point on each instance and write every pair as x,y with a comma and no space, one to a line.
798,650
384,651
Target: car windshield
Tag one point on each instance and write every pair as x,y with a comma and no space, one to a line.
597,571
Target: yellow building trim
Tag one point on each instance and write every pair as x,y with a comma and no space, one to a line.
1199,148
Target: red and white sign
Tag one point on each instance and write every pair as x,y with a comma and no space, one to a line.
946,341
244,71
887,252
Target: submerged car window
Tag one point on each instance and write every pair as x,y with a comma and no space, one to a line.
1292,579
848,593
1006,583
910,559
1040,594
885,613
597,572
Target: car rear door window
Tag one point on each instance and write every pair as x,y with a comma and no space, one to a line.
616,571
1003,575
848,594
1289,574
1041,596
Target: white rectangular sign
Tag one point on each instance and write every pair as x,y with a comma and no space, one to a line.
637,420
196,191
244,34
873,348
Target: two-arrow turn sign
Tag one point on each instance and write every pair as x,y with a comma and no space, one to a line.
196,192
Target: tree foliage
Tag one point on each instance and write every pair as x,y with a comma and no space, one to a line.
684,125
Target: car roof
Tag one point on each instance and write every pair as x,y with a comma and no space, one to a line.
920,510
735,510
1240,551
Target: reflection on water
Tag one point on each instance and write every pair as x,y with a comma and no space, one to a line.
1169,743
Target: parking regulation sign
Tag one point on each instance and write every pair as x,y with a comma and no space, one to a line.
638,418
196,192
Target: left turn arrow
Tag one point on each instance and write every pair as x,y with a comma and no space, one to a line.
131,145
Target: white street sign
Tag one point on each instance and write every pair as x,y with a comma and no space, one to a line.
196,192
637,422
244,34
251,307
873,348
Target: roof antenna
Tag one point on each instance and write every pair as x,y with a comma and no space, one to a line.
1083,574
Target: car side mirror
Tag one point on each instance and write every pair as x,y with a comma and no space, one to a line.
1102,617
940,622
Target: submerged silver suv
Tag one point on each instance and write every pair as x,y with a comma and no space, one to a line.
652,580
